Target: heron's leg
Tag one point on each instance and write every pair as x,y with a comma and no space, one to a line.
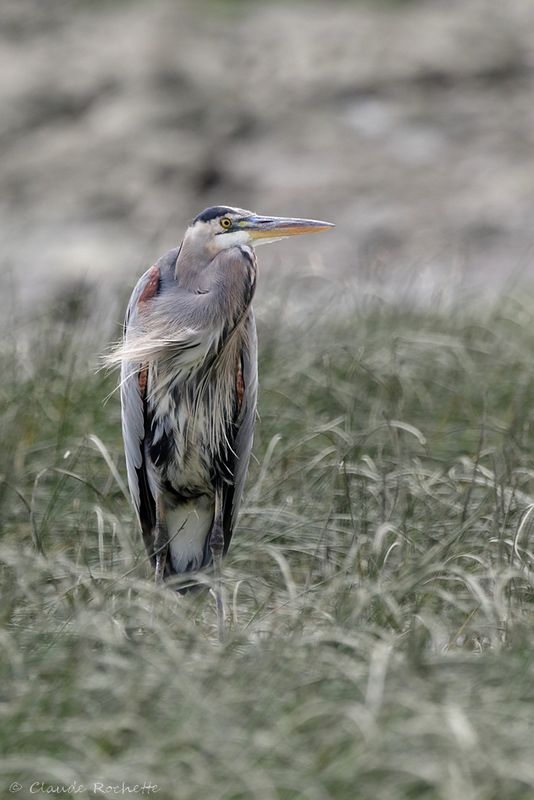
216,547
161,539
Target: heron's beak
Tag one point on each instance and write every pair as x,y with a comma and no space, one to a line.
269,229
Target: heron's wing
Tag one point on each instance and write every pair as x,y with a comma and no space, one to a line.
133,401
243,430
138,349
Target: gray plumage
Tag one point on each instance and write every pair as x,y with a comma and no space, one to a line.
189,386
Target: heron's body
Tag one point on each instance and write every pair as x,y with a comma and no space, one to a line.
189,386
191,398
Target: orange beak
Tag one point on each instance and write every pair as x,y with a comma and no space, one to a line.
269,229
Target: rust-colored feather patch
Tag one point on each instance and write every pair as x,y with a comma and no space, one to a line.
143,379
149,291
239,385
152,285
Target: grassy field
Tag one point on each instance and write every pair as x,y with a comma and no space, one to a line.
381,635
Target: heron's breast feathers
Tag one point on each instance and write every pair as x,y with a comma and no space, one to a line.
195,410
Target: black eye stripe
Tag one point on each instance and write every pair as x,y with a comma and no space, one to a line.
212,213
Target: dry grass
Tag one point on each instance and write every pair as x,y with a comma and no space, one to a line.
381,588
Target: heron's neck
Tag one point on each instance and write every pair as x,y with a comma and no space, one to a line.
187,269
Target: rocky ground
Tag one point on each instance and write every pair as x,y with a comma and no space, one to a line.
410,124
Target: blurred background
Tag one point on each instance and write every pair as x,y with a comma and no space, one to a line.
381,581
409,124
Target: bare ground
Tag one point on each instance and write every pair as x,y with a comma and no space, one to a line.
410,125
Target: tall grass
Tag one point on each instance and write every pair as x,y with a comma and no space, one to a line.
380,639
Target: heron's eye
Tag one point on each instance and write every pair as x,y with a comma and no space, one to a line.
226,223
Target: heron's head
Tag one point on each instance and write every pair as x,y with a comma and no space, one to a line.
221,227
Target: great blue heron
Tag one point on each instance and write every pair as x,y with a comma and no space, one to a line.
189,384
